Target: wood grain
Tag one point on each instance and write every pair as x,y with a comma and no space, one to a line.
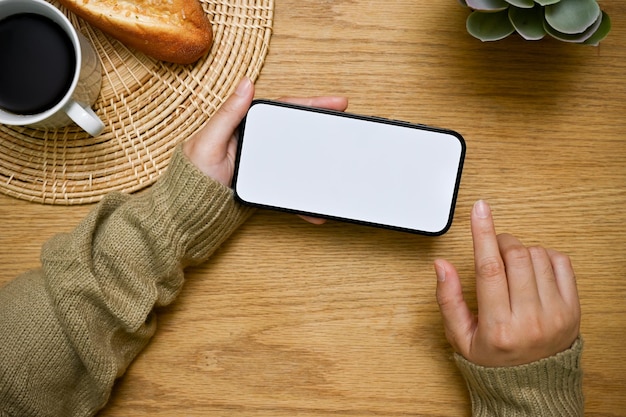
294,319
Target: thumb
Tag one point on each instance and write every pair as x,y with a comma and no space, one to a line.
458,320
212,148
228,117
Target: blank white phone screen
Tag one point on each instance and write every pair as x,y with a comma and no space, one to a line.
347,167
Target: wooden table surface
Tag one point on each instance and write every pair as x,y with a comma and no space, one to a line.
294,319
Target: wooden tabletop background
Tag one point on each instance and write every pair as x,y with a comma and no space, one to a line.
341,320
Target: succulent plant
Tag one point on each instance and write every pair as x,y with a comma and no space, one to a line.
577,21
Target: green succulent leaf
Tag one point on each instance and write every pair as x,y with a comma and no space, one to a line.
488,5
602,31
575,37
528,22
546,2
489,26
572,16
524,4
576,21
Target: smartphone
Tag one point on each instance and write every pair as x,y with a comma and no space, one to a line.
335,165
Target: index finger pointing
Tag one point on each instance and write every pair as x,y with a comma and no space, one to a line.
491,282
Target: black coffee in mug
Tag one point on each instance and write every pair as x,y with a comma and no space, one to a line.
38,63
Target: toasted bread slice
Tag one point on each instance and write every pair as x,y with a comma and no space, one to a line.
176,31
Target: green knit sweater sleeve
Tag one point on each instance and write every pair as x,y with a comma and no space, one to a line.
547,388
69,329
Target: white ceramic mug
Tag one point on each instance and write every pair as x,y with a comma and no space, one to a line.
75,106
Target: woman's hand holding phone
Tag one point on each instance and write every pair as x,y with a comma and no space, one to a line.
214,147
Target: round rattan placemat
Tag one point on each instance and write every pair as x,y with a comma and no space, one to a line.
148,107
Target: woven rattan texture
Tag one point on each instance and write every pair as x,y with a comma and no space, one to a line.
148,107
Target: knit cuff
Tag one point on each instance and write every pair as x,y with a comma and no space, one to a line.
200,206
548,387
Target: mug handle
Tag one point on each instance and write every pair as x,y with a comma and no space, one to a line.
84,117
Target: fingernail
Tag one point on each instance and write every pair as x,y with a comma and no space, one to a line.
440,272
243,87
482,209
